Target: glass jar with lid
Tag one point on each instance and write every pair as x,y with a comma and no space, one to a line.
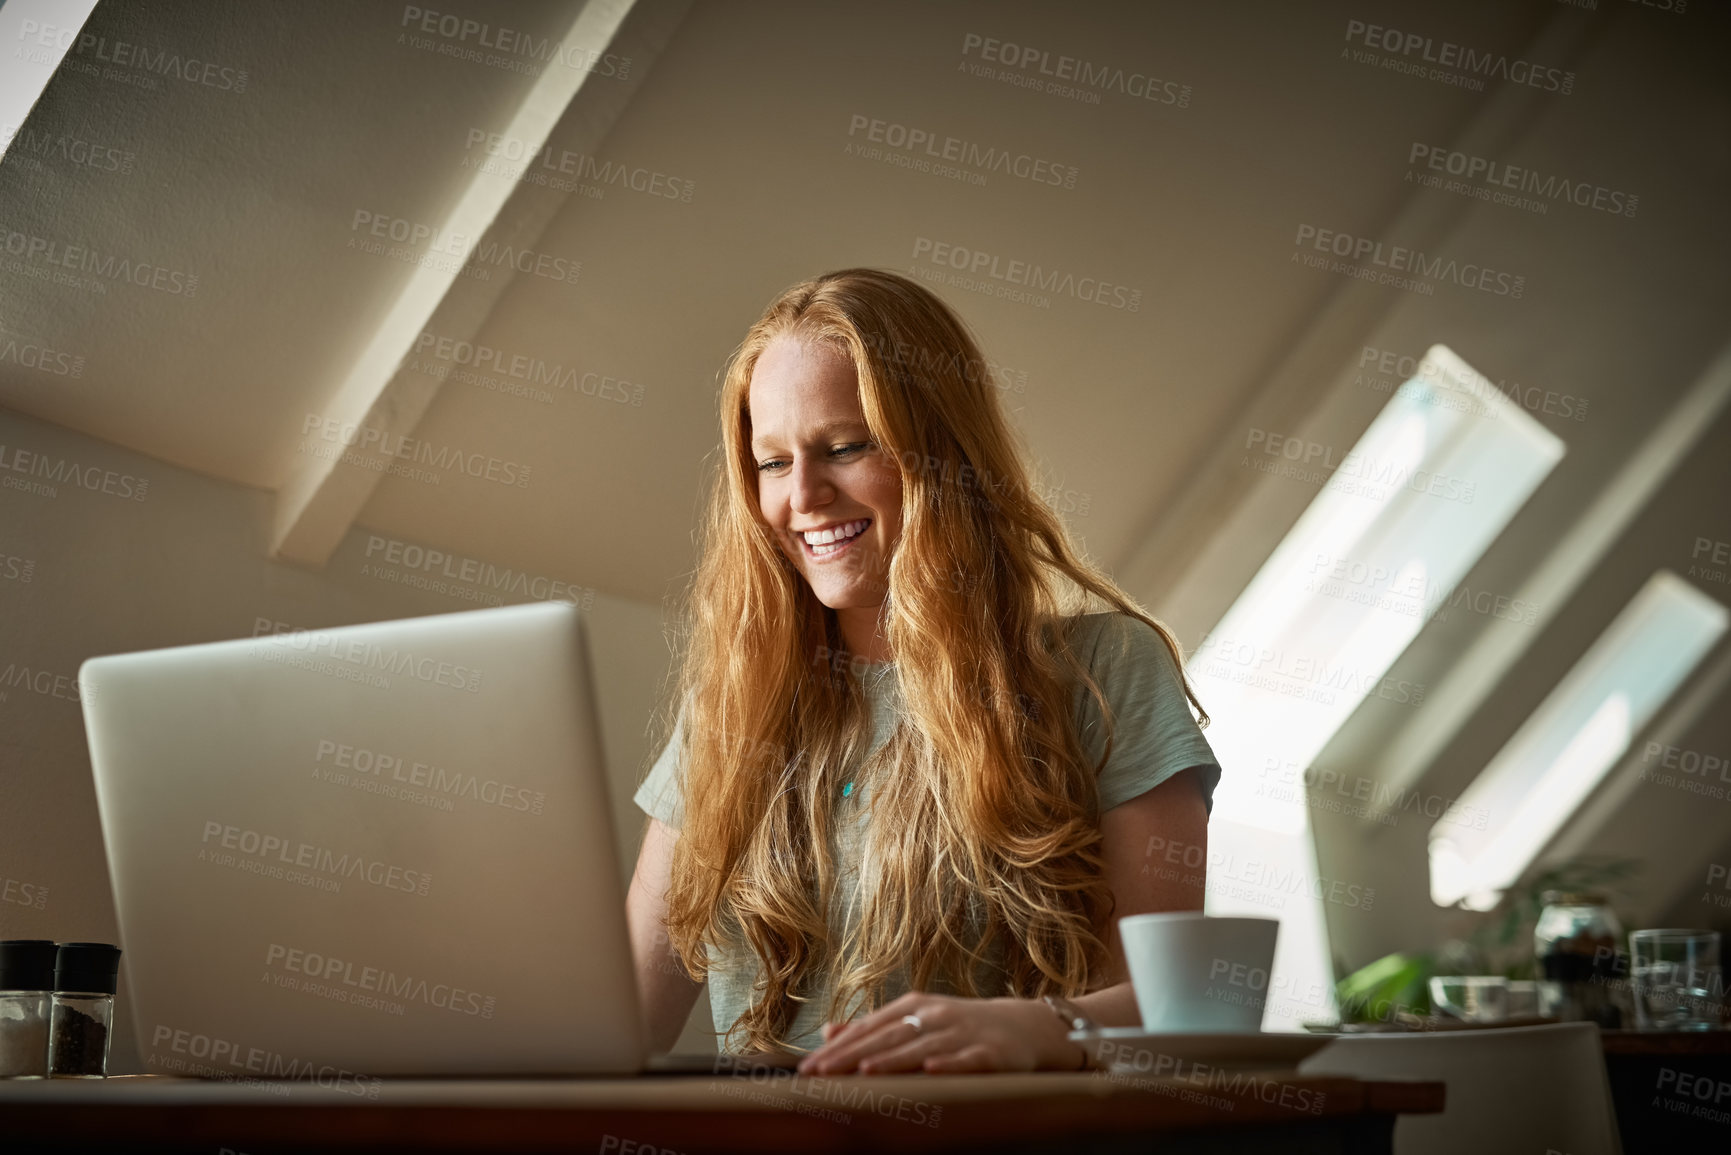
85,979
1579,957
26,994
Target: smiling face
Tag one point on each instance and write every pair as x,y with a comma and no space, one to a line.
821,476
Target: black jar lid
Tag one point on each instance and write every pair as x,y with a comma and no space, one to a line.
27,964
87,968
1574,898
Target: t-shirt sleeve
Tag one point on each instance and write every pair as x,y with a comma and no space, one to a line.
1154,733
658,796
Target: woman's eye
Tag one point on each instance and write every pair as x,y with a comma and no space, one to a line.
838,451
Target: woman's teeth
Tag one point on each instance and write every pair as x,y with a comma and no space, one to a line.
827,541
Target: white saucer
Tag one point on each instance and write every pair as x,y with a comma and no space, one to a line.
1157,1053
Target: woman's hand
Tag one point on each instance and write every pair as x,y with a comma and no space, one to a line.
956,1035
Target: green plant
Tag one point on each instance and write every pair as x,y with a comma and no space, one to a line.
1386,987
1500,943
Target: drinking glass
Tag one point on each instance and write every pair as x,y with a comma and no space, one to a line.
1676,979
1471,998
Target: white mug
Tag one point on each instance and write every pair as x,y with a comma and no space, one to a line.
1194,973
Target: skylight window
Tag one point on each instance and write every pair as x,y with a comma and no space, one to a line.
1568,745
1397,523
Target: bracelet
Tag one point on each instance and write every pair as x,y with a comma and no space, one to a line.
1075,1020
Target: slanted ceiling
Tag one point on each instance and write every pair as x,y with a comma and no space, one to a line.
355,118
683,163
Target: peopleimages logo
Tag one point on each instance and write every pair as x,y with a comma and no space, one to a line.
56,255
924,144
329,969
1071,76
512,157
459,247
21,142
532,371
62,471
499,47
982,271
1426,382
1300,675
1493,177
1378,796
159,62
274,850
35,34
1397,259
368,439
923,359
1716,554
1275,883
437,563
314,649
23,893
361,766
1434,59
47,683
1409,591
791,1089
1356,473
223,1058
30,355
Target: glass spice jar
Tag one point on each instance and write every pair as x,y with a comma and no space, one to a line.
85,977
26,993
1578,949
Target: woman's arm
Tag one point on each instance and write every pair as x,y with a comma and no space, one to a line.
666,991
1147,842
1023,1034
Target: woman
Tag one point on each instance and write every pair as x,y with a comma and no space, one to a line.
910,788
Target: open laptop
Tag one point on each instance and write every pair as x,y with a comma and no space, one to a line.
383,848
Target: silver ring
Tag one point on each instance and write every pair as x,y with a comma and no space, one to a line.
914,1022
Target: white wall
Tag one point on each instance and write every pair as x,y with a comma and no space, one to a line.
150,555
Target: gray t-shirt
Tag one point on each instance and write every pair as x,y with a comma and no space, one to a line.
1155,736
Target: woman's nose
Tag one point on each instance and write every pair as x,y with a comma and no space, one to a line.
811,487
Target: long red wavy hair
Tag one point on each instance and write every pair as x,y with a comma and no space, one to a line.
986,837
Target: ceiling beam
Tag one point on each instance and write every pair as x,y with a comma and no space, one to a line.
37,35
567,108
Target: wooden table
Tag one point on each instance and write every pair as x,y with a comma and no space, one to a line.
1671,1089
739,1112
